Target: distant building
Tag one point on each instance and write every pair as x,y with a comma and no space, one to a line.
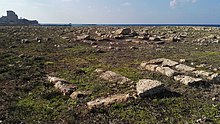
12,19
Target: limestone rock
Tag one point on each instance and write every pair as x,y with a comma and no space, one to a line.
151,67
114,77
143,65
107,101
147,87
202,73
124,31
154,39
214,78
166,71
156,61
187,80
55,79
170,63
83,37
65,88
99,71
79,94
184,68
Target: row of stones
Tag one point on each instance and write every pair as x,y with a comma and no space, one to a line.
180,72
67,88
144,87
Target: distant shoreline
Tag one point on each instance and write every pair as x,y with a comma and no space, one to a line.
120,25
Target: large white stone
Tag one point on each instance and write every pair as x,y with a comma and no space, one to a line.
184,68
147,87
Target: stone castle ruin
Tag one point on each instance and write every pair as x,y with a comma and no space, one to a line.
12,19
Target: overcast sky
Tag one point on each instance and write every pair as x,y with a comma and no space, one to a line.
116,11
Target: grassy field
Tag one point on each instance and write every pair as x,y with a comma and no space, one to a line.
26,96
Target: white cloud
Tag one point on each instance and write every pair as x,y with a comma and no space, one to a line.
174,3
126,4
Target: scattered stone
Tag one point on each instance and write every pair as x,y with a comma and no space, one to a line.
166,71
182,60
99,71
54,80
214,78
124,31
154,39
147,87
114,77
187,80
170,63
143,64
107,101
156,61
159,42
184,68
83,37
65,88
201,66
80,94
202,73
151,67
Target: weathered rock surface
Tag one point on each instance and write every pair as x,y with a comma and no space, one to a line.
168,62
79,94
107,101
184,68
65,88
166,71
114,77
151,67
54,80
187,80
202,73
83,37
156,61
147,87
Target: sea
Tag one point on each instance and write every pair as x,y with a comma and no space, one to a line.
130,25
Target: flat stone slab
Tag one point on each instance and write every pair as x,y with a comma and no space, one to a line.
156,61
107,101
147,87
184,68
114,77
168,62
187,80
166,71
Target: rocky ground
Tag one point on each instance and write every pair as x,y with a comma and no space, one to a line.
109,75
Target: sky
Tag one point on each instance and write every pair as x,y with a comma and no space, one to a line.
116,11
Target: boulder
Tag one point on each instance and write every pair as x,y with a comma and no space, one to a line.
214,78
124,31
187,80
107,101
184,68
166,71
147,87
143,65
114,77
